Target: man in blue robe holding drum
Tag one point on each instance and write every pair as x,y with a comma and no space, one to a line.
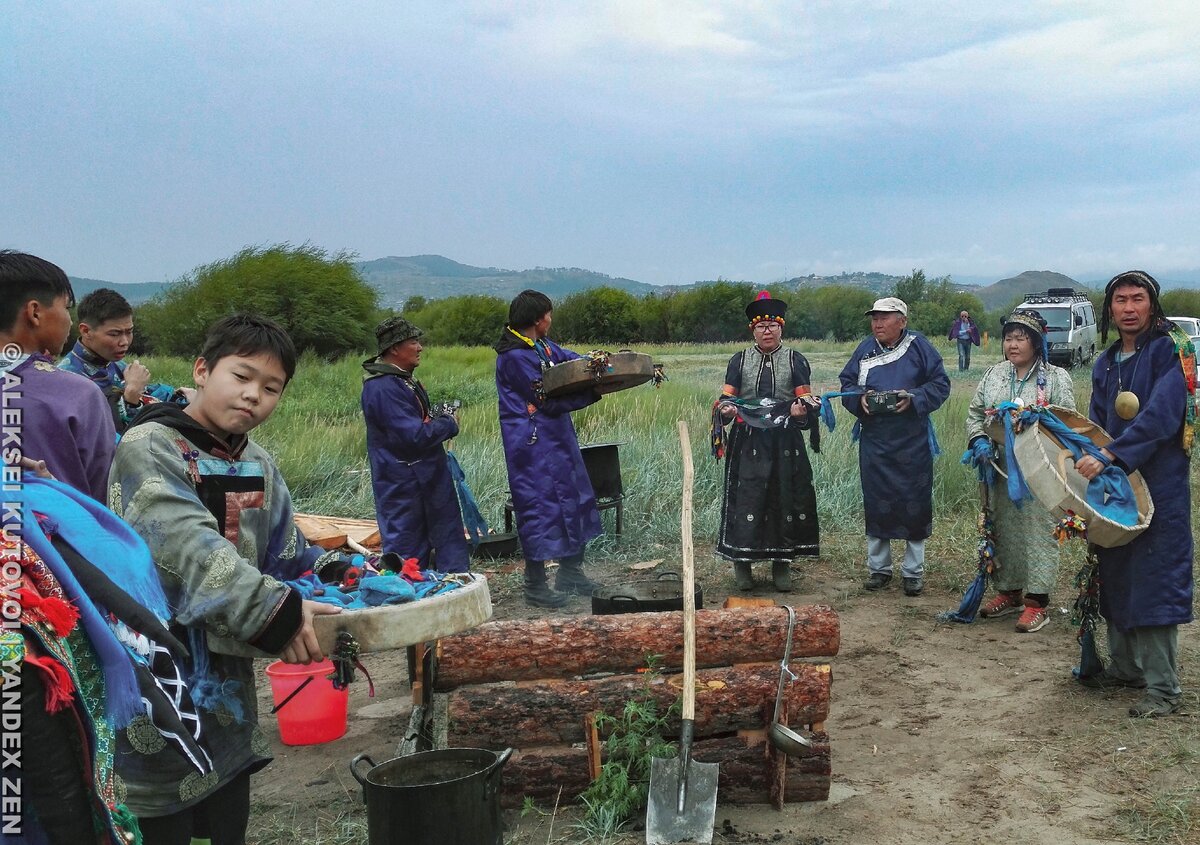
552,495
1142,397
897,380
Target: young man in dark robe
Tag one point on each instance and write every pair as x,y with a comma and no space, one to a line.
552,495
105,337
769,506
415,500
895,456
1142,397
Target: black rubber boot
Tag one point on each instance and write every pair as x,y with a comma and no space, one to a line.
571,578
742,576
781,574
537,589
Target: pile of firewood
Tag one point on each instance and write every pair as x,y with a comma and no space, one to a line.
535,686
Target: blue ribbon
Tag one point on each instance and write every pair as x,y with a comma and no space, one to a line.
1109,493
980,455
472,517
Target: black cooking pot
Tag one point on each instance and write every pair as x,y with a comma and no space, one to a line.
663,593
451,797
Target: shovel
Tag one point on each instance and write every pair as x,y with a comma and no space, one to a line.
682,805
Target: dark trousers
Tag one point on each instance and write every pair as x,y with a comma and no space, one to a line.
221,817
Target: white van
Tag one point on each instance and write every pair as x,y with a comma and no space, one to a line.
1070,324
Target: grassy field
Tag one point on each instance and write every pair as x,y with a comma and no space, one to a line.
318,437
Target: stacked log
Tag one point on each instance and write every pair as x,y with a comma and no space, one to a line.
534,684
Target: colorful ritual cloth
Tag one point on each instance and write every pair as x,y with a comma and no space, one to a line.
59,418
769,506
218,519
1027,555
415,500
552,495
895,459
1148,582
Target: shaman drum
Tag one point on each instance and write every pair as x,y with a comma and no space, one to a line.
617,371
1049,470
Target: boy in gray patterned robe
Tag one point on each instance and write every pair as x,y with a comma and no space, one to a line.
217,516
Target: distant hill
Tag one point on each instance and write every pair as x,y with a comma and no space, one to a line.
136,292
434,276
1002,293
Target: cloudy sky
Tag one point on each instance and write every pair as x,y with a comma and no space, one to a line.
662,140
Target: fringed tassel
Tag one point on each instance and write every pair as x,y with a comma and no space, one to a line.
126,824
60,689
1070,527
718,431
206,691
59,614
137,643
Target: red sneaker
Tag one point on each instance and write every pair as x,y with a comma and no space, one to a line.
1002,604
1033,618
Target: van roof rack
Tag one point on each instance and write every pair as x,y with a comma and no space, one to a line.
1056,296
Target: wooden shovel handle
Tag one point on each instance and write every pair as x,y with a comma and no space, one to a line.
689,580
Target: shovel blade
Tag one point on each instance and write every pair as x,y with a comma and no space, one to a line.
664,822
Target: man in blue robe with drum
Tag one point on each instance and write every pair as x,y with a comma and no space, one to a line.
1142,397
552,495
896,380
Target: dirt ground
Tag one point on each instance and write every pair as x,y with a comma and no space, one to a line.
939,734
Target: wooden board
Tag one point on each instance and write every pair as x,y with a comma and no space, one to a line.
364,532
394,626
321,533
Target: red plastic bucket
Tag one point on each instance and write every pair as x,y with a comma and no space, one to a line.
316,713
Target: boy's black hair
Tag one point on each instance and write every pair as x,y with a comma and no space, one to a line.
248,335
102,305
24,277
527,308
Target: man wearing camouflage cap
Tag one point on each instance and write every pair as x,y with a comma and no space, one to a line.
415,501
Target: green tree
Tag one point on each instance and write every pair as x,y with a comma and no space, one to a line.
711,312
597,315
470,320
1181,302
317,297
414,303
830,312
912,288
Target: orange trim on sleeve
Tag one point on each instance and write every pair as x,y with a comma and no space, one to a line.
804,390
729,390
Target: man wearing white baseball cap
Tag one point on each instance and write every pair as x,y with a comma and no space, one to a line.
902,381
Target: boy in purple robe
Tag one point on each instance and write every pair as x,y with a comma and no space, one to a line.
552,495
1141,396
49,415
